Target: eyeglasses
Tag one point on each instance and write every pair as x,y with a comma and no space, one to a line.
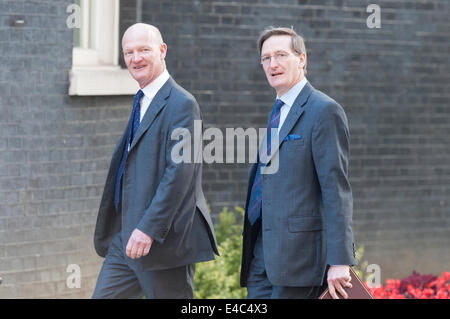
279,57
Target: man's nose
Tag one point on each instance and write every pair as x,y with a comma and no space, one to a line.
273,63
137,57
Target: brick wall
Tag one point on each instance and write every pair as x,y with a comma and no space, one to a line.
392,82
54,153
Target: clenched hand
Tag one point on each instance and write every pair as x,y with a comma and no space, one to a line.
338,278
138,245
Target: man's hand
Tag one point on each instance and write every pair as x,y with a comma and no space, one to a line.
139,244
338,277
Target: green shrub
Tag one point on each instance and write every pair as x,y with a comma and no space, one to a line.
360,269
219,279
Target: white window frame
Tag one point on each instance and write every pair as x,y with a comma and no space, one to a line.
95,64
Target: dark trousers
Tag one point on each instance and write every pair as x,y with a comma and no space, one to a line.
259,286
118,280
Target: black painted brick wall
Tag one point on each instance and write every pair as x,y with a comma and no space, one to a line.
393,83
54,153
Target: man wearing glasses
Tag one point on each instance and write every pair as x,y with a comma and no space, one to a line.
297,228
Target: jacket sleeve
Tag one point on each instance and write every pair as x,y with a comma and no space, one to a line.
178,175
330,151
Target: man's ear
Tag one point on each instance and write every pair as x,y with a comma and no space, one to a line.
163,49
302,60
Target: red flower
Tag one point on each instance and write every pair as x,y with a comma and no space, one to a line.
415,286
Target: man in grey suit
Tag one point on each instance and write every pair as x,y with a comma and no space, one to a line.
153,223
297,228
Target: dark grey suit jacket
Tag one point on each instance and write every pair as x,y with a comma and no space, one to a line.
307,204
159,197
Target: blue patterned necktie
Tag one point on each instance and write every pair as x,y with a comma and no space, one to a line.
255,203
133,125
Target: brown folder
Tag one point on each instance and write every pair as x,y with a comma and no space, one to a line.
358,290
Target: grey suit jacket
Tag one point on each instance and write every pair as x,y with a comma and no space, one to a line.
307,204
159,197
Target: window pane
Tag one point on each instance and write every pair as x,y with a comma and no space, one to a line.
76,31
92,24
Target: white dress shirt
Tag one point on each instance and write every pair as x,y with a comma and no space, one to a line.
288,99
150,91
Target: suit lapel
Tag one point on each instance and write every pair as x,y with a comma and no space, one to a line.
296,112
293,116
157,104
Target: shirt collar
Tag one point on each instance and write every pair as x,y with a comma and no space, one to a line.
153,87
290,96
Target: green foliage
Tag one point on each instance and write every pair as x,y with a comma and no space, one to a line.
219,279
362,265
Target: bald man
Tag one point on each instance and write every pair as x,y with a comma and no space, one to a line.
153,223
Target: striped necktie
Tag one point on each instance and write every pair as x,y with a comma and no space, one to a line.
133,125
255,203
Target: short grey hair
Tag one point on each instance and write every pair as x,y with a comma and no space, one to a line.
297,41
